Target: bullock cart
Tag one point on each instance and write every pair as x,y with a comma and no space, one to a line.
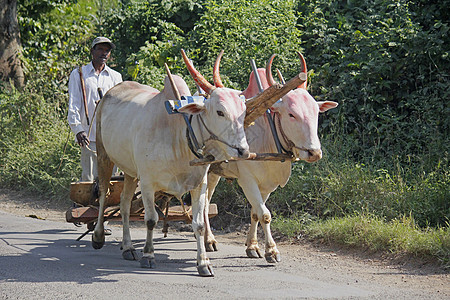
84,195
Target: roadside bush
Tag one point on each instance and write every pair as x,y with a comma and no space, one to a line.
37,149
245,30
333,188
144,33
383,61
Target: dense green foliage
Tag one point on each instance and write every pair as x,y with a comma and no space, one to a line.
56,35
246,30
145,33
152,33
387,65
36,154
386,62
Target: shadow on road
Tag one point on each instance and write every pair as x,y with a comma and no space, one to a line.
53,255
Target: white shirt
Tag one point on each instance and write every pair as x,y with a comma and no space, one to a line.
105,80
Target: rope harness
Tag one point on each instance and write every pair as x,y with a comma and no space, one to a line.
213,137
194,146
289,144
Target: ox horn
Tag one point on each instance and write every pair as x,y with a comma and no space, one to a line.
281,77
198,78
257,105
216,75
269,76
304,70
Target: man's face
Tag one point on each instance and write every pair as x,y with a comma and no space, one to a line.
100,53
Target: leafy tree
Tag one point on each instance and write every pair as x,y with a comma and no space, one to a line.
153,32
385,63
10,64
155,26
246,30
56,35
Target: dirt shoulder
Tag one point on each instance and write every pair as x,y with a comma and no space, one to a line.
24,204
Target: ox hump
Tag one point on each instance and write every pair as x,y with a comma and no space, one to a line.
181,85
252,88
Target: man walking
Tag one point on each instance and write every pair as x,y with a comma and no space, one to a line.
84,85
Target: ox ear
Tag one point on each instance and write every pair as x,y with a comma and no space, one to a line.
326,105
192,108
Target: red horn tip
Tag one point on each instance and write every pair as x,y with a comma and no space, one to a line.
304,70
269,76
198,78
216,74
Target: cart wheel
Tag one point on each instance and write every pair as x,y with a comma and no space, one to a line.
91,226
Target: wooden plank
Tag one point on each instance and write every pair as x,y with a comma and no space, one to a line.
81,192
89,214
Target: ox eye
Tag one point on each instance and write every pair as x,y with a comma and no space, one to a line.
220,113
292,116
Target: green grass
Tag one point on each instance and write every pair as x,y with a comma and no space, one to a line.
37,150
399,236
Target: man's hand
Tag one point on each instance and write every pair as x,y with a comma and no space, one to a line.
82,139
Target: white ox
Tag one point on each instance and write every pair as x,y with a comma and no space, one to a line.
296,120
135,132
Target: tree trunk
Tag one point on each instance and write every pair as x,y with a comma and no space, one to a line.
10,64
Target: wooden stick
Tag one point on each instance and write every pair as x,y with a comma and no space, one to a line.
83,91
269,156
261,102
253,157
172,82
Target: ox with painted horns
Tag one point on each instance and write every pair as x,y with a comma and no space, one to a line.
296,123
135,132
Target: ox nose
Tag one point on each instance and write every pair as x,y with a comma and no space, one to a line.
314,155
243,153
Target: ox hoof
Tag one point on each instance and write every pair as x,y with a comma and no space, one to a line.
211,247
147,262
130,254
273,258
98,245
253,253
205,271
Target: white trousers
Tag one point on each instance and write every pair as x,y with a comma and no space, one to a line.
89,162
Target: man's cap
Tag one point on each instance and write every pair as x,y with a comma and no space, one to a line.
100,40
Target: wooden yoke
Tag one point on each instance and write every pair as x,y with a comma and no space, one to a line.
172,82
257,105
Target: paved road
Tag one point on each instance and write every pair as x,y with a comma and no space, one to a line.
40,259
